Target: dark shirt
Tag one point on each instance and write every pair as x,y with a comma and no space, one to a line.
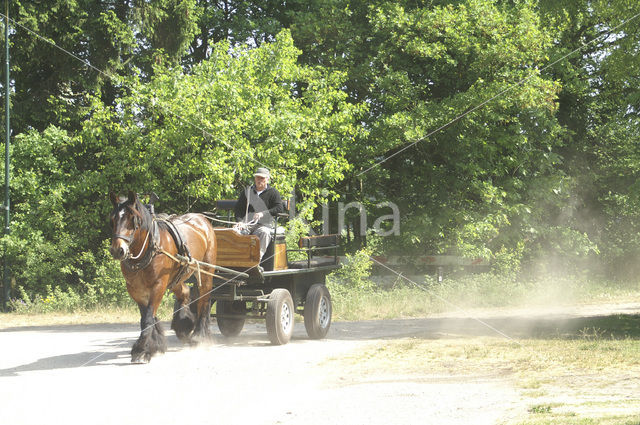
268,201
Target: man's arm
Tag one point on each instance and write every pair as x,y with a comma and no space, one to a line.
275,204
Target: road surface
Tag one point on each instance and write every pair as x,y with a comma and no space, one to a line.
81,374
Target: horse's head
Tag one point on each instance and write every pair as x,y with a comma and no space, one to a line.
127,218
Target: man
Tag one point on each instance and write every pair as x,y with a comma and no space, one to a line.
263,204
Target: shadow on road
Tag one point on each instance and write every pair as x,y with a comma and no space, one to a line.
111,352
65,361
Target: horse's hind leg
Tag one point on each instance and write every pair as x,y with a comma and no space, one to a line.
152,339
184,309
202,333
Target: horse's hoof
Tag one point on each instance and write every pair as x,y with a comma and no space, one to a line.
141,358
185,339
183,334
201,339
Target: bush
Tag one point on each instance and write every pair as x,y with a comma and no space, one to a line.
55,300
356,270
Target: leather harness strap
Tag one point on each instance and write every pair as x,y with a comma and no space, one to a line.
183,250
128,239
149,253
153,249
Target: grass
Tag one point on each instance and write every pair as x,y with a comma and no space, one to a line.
569,419
80,317
576,371
472,292
123,313
360,301
575,381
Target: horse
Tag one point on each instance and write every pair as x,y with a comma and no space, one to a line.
148,248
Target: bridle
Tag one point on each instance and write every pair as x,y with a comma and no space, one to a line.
129,239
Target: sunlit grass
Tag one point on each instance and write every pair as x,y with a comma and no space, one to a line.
573,419
565,380
128,312
472,292
98,315
383,301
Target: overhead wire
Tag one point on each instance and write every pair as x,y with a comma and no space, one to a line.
499,94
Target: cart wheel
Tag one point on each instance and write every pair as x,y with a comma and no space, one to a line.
280,316
230,326
317,311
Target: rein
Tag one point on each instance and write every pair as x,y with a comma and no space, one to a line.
143,246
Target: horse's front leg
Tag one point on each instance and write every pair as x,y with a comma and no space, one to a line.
152,339
202,333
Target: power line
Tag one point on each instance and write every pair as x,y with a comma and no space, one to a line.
117,79
480,105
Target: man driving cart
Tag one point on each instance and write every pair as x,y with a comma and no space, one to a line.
257,205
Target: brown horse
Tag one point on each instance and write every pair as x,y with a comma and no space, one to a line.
145,245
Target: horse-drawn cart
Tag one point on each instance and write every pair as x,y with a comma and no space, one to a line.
274,289
158,253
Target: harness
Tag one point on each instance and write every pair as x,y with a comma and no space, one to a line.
153,235
137,263
183,249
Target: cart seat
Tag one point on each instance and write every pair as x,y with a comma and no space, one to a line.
315,248
314,262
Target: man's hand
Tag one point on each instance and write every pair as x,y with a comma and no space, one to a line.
257,216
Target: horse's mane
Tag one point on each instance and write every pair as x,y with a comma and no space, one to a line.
147,218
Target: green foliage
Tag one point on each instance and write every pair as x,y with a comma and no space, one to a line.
295,229
210,128
190,137
119,39
492,147
109,285
54,300
355,273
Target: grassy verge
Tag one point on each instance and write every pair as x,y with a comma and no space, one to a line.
80,317
46,314
580,372
480,291
359,300
578,380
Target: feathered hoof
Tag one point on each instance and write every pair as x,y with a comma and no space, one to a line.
183,327
202,338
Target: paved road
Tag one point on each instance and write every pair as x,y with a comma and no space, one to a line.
82,374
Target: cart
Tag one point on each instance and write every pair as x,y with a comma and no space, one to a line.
275,289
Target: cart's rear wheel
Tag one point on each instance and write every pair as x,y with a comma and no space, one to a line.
317,311
230,316
279,318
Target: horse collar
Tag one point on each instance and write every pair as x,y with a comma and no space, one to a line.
151,251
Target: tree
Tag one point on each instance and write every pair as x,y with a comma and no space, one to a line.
598,107
119,38
192,138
